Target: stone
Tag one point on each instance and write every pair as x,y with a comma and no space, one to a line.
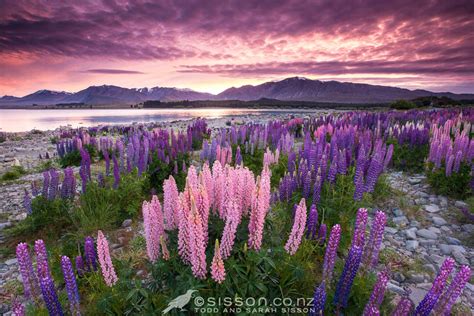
397,212
460,204
425,233
445,249
127,223
429,267
400,221
411,233
11,262
443,201
417,295
420,201
432,208
453,241
459,248
459,257
412,245
413,180
395,288
468,228
438,221
414,223
399,277
435,230
416,277
391,230
5,225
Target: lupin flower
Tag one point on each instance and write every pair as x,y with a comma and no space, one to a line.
79,266
319,300
50,296
90,254
450,296
28,276
230,229
322,234
197,243
378,293
116,172
347,277
153,226
164,249
105,261
27,203
359,228
297,231
42,265
217,265
312,225
429,301
331,251
259,209
403,307
71,285
170,205
18,309
372,248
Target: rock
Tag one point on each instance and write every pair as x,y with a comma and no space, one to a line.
11,262
459,257
435,230
432,208
416,277
468,227
400,221
443,201
127,223
453,241
399,277
412,245
425,233
460,204
461,249
397,212
5,225
411,233
414,180
414,224
420,201
429,267
445,249
417,295
439,221
391,230
395,288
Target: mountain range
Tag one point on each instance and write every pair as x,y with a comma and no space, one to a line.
289,89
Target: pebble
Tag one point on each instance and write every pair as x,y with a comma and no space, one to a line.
127,223
400,221
425,233
439,221
417,295
411,233
453,241
391,230
412,245
395,288
432,208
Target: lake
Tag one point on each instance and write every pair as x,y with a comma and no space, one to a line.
25,120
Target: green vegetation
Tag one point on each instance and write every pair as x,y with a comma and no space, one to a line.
14,173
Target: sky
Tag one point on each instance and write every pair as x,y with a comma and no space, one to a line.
212,45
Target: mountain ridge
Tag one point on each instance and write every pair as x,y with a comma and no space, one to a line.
288,89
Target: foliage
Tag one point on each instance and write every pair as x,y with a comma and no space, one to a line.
403,105
104,207
457,185
73,158
158,171
409,158
14,173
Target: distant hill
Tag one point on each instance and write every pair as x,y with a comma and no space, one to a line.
303,89
290,89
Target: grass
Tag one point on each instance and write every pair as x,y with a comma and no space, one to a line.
14,173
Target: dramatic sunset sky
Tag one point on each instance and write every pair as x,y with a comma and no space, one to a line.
212,45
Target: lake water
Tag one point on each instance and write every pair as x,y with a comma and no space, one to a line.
25,120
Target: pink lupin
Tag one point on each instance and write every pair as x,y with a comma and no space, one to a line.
297,231
105,261
170,207
217,265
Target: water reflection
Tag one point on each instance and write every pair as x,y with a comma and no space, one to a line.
25,120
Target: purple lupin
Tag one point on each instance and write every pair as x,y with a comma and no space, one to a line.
71,285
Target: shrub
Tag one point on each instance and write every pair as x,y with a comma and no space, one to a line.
457,185
73,158
158,171
409,158
403,105
14,173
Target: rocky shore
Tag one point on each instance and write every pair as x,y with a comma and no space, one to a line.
423,227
